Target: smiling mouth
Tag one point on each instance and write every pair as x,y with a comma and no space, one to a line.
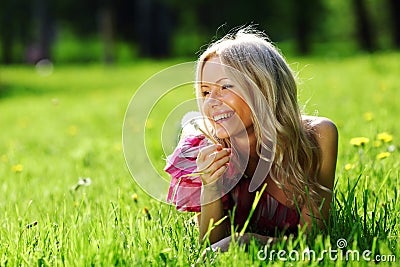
222,117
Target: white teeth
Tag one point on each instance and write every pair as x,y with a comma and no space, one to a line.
222,116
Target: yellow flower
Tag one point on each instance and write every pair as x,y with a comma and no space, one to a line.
368,116
359,141
117,146
149,124
22,123
383,155
147,213
4,158
377,143
135,197
383,86
17,168
72,130
385,137
348,166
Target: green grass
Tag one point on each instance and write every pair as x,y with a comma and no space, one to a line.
58,128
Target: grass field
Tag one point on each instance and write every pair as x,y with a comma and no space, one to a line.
58,129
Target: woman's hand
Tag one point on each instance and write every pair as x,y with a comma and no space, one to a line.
212,163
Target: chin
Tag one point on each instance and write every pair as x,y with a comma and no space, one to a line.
222,134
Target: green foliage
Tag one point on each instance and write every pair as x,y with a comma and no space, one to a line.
68,49
58,128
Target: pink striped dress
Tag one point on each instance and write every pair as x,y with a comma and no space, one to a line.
270,216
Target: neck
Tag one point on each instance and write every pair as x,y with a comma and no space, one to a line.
247,142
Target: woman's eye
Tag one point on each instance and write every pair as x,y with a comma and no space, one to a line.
205,93
227,86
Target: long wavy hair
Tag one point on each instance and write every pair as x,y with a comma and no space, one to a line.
268,85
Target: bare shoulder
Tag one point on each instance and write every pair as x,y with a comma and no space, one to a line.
326,134
324,129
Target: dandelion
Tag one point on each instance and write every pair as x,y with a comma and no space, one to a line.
4,158
55,101
197,122
385,137
383,86
190,117
117,146
135,198
359,141
391,148
383,155
348,166
22,123
368,116
146,212
72,130
82,182
377,143
149,123
212,139
17,168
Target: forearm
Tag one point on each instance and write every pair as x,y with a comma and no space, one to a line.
212,210
212,161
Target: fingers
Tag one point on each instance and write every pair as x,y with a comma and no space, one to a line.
212,163
212,178
219,164
206,151
209,155
214,171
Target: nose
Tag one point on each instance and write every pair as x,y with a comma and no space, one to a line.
214,98
212,102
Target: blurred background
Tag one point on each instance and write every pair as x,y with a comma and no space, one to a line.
117,31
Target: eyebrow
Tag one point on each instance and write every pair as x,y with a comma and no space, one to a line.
215,81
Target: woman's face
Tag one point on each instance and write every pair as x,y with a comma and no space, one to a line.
229,114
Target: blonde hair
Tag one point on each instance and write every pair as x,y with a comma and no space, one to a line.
270,89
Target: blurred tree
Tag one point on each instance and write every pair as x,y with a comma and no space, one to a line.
280,19
145,23
394,6
363,26
125,21
153,27
106,28
79,16
6,31
218,17
307,15
15,17
44,30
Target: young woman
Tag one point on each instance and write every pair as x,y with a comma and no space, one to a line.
256,139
